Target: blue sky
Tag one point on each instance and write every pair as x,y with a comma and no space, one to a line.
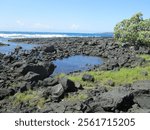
68,15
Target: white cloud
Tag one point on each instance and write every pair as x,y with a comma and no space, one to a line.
20,23
74,27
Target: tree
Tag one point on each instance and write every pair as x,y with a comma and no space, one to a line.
135,30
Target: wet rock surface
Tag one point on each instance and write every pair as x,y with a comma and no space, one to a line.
23,71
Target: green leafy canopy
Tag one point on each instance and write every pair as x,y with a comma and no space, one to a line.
135,30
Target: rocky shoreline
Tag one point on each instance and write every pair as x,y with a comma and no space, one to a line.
2,44
26,84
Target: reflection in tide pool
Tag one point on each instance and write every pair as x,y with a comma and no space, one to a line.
76,63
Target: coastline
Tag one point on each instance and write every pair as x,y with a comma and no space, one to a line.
2,44
25,74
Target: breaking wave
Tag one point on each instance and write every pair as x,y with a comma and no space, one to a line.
2,35
50,35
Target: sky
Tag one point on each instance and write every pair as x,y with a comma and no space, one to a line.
88,16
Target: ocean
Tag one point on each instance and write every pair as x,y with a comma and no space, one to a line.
6,35
71,64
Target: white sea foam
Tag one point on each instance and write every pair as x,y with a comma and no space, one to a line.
16,35
50,35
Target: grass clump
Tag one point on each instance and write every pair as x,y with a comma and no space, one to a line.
76,77
77,97
30,97
145,56
121,77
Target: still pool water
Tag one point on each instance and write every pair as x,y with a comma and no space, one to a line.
66,65
76,63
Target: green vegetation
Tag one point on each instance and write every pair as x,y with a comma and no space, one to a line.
16,84
123,76
135,30
77,78
120,77
145,56
78,97
30,97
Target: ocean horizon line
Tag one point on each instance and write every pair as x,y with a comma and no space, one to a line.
54,32
15,34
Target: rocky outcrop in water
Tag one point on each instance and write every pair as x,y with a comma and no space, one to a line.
2,44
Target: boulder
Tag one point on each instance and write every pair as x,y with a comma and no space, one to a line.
74,107
135,61
47,92
40,69
141,92
50,81
17,49
1,68
56,108
57,92
144,73
1,83
94,107
64,107
88,77
1,55
90,106
137,109
68,85
23,88
18,64
56,89
3,44
49,49
6,92
50,67
122,60
111,83
116,100
94,93
8,58
79,86
126,45
31,76
112,64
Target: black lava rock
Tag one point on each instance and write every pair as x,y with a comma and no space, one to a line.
87,77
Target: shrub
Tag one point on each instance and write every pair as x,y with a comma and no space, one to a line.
135,30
